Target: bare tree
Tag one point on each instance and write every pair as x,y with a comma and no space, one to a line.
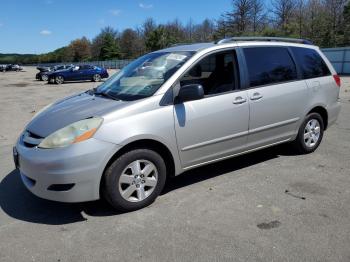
240,17
257,15
222,30
204,31
283,11
300,16
189,30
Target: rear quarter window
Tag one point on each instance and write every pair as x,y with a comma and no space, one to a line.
269,65
310,62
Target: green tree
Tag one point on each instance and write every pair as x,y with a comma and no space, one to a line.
159,38
109,48
98,41
346,25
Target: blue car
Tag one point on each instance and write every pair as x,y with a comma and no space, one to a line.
43,75
78,73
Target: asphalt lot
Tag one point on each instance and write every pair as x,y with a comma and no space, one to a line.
235,210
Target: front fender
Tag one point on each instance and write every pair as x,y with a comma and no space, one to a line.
151,122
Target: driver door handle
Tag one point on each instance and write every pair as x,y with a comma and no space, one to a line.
239,100
256,96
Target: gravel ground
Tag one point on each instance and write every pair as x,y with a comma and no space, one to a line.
235,210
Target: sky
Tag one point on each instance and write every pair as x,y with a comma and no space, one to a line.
40,26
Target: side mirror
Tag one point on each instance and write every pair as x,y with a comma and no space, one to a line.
190,93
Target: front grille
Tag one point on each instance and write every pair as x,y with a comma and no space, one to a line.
30,139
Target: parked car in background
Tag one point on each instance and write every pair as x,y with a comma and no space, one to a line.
78,73
174,110
13,67
43,68
2,68
43,75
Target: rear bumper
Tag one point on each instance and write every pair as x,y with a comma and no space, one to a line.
70,174
333,113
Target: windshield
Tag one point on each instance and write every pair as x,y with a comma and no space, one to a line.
144,76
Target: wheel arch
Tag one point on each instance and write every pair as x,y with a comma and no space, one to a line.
322,111
152,144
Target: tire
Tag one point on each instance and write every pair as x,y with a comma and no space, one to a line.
44,77
134,180
310,134
59,80
96,78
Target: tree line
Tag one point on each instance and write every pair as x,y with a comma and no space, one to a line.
325,22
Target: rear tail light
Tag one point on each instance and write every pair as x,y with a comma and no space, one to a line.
337,80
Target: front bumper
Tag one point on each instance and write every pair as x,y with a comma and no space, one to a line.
104,75
70,174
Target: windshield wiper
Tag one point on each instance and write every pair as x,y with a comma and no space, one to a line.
91,91
105,94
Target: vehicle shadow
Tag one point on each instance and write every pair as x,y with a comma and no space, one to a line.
17,202
226,166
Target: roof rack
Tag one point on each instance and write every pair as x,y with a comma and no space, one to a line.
264,38
178,44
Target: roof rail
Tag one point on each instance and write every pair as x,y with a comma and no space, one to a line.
178,44
264,38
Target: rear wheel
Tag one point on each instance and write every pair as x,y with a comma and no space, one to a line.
44,77
96,78
310,134
59,80
134,180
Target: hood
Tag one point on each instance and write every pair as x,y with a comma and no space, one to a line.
45,73
70,110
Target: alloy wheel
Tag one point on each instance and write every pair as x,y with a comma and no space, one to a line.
44,77
97,78
138,180
312,133
59,80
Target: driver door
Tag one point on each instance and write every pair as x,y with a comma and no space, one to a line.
217,125
75,73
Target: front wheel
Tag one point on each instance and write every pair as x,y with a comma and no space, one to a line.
59,80
134,180
96,78
310,134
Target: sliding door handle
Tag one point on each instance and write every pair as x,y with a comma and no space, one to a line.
239,100
256,96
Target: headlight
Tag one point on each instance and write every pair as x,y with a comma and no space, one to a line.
73,133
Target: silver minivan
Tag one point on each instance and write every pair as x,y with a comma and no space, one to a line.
176,109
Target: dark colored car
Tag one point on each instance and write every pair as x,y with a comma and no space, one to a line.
13,67
45,71
44,68
78,73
